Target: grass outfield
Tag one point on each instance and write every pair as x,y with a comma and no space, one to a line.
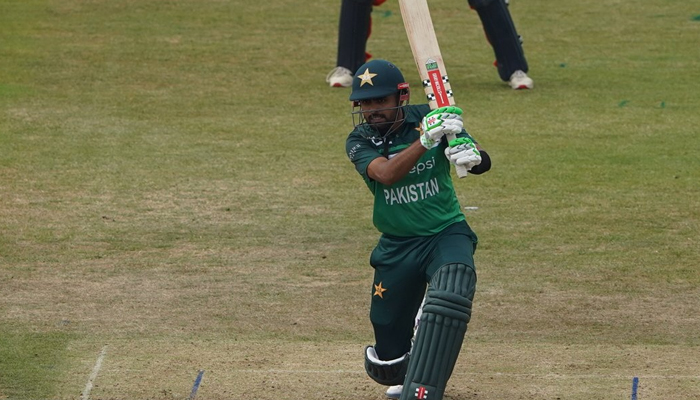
175,197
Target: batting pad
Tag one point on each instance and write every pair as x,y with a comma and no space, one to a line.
443,324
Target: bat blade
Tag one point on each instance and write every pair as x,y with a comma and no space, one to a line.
428,58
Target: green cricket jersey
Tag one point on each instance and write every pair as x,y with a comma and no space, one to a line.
424,202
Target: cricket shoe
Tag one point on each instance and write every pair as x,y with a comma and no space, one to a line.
394,392
520,80
339,77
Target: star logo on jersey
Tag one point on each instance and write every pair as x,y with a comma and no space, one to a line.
379,290
366,77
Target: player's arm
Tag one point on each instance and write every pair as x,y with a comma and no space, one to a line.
389,171
439,122
484,165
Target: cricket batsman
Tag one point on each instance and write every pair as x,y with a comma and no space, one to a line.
426,248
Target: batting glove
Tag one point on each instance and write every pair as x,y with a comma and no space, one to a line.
462,151
440,122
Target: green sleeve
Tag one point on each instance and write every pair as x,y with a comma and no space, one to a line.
361,153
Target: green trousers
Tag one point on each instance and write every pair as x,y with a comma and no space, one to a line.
403,268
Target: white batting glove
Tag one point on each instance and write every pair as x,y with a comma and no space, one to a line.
462,151
440,122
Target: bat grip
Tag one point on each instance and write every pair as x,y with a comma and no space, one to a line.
461,169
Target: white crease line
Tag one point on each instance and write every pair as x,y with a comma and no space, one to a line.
93,375
495,374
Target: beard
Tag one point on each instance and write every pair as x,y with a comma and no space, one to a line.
382,127
382,123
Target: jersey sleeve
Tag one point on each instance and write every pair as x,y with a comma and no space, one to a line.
466,134
361,153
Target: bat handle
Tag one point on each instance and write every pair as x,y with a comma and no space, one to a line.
461,169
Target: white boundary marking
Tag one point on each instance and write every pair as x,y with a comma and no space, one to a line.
93,375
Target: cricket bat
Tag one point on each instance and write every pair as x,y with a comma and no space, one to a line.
426,53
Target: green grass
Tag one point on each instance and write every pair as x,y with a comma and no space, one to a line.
32,362
173,185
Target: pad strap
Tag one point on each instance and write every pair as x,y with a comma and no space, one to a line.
387,373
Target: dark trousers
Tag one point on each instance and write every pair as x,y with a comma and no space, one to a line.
403,268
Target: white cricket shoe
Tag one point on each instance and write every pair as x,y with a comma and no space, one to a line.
520,80
339,77
394,392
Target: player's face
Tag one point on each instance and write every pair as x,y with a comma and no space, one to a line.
382,113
